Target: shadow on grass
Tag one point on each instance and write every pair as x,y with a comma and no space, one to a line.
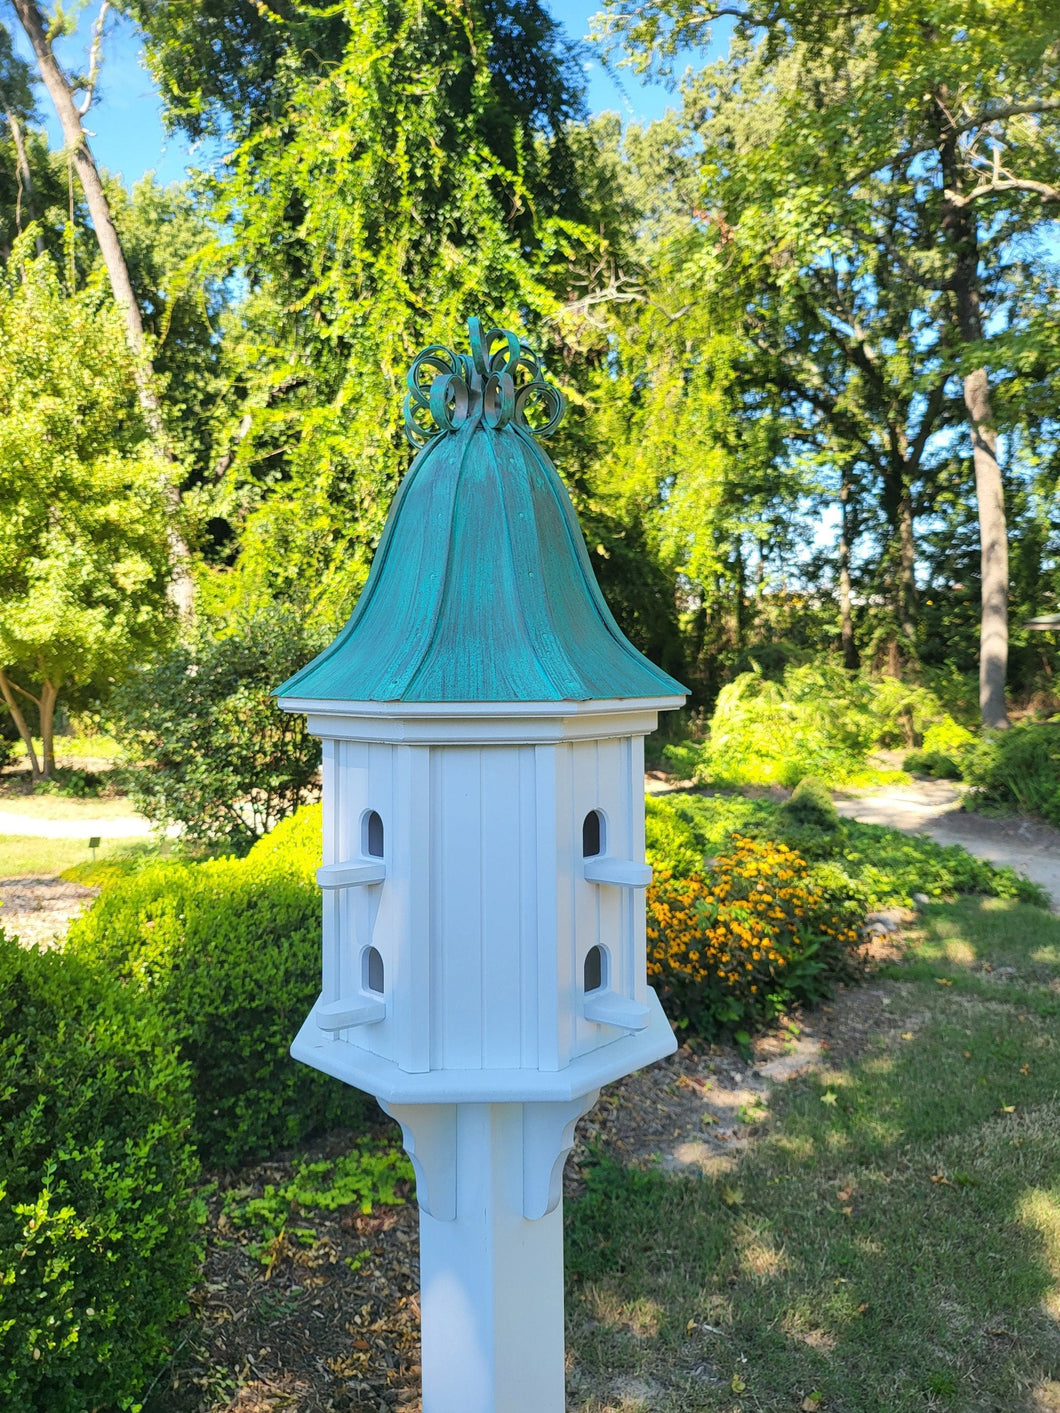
890,1242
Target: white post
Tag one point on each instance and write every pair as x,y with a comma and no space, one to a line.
491,1276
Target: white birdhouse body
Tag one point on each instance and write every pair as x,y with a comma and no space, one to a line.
483,884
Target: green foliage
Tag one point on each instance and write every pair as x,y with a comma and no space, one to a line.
1018,768
208,748
397,167
934,763
84,558
817,720
72,783
811,805
97,1217
229,952
373,1175
879,865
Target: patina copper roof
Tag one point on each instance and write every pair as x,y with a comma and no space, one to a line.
481,589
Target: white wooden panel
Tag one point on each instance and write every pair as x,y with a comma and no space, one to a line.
638,902
502,847
566,857
330,904
409,904
530,905
553,906
456,908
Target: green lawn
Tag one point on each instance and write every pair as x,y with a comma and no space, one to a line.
23,856
892,1240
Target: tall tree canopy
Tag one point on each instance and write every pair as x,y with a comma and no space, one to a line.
885,178
416,167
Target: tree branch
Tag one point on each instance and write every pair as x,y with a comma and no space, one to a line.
95,57
1042,189
978,120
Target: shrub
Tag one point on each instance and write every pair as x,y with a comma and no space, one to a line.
208,747
1018,768
229,950
884,865
97,1219
934,763
817,720
736,947
811,804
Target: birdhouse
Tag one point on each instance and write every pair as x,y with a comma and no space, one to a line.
482,718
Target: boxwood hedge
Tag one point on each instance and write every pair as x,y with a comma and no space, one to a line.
229,950
97,1218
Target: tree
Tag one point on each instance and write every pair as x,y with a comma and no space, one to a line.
951,113
84,560
210,750
62,89
412,171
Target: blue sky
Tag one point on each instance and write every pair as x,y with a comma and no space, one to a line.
127,135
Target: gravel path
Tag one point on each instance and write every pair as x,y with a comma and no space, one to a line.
933,807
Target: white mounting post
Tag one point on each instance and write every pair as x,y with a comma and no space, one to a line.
489,1182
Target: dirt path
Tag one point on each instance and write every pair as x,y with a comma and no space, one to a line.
39,910
932,807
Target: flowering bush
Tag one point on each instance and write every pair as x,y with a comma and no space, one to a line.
758,933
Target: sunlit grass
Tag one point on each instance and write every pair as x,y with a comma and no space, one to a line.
71,750
22,856
897,1249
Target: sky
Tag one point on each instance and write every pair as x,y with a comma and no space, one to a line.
126,131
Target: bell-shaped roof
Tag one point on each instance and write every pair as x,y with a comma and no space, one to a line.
481,589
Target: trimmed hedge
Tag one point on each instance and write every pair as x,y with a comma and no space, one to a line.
97,1217
229,951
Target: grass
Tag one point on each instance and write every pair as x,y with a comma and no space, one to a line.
71,750
24,856
63,807
890,1242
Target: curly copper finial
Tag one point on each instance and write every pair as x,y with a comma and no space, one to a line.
496,383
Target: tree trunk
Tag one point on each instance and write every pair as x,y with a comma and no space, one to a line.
25,176
993,553
851,659
8,690
898,507
959,227
907,605
61,94
48,697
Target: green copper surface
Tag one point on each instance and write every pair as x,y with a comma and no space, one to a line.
481,589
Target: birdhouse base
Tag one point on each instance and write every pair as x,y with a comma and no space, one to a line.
391,1084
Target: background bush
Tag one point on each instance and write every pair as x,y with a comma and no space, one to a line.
208,748
97,1218
1018,768
229,951
816,720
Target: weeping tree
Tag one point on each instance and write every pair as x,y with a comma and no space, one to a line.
396,167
